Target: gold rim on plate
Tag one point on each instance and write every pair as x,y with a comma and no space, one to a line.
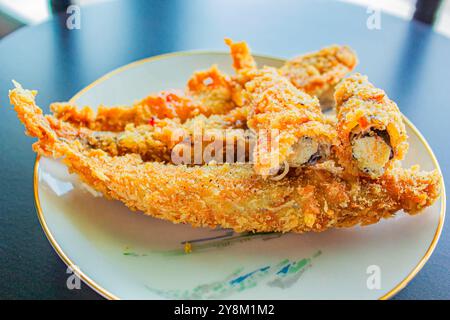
105,293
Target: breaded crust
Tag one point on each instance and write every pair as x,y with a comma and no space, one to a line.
284,114
229,195
317,73
362,106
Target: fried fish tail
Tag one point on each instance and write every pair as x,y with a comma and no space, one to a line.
36,124
243,64
288,122
416,189
243,60
370,128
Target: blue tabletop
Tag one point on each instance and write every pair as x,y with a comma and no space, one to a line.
407,59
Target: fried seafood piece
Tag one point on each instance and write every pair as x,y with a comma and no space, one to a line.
243,64
242,58
289,124
315,73
370,128
169,141
197,140
116,118
213,90
207,93
165,104
151,142
237,117
230,195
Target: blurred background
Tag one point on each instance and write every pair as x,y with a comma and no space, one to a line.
18,13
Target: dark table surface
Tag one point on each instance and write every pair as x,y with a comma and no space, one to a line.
407,59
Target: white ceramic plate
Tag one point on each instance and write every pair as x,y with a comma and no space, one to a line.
124,254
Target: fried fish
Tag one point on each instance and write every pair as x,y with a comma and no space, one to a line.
230,195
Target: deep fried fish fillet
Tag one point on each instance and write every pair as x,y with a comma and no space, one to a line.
211,92
116,118
315,73
199,140
370,128
169,141
166,104
231,196
208,93
121,130
288,122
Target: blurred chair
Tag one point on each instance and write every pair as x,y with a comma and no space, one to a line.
426,10
58,6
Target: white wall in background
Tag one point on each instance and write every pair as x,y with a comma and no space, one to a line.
27,11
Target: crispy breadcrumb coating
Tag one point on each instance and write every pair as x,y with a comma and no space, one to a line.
365,111
318,73
281,115
116,118
213,90
315,73
243,63
169,141
166,104
229,195
199,140
113,130
241,55
208,93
